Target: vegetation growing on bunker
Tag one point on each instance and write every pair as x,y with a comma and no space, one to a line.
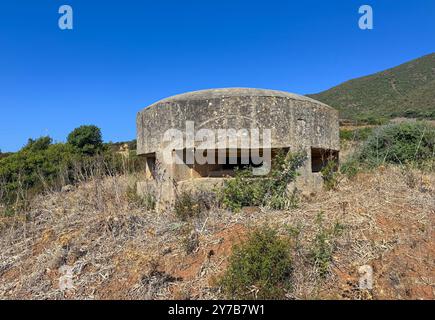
272,191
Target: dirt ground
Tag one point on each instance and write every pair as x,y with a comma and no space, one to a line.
114,249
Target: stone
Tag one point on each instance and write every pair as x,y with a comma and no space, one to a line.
67,188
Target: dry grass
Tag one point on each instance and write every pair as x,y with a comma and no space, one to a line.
118,250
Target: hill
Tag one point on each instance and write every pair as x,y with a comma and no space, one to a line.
4,155
407,90
118,250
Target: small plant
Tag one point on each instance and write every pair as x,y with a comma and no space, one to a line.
351,167
187,206
148,201
330,175
284,171
242,190
260,267
409,176
272,191
323,245
9,211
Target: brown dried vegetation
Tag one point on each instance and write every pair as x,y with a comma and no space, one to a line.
118,249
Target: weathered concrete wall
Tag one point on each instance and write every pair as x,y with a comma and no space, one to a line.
294,120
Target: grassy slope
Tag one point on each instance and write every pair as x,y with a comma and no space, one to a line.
406,90
120,251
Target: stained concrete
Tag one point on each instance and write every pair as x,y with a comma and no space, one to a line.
296,122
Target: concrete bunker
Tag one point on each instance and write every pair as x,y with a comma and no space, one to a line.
233,160
295,123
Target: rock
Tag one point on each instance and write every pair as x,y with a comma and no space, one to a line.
166,251
307,195
67,188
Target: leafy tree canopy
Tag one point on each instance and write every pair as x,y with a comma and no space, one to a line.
88,139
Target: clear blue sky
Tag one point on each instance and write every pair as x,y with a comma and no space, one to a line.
124,55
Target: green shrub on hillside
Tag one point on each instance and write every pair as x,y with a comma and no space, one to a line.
400,143
259,268
241,191
33,168
415,114
360,134
38,145
408,143
41,165
4,155
370,119
87,139
350,167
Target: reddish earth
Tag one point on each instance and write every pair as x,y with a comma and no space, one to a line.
126,253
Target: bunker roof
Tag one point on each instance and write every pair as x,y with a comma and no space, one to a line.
222,93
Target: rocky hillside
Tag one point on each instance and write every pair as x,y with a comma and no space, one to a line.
407,90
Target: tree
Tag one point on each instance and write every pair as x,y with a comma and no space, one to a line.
39,144
87,139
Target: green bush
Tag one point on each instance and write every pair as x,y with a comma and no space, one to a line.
42,166
39,144
416,114
371,120
259,268
245,189
330,175
346,134
284,171
408,143
4,155
88,139
241,191
33,169
351,167
400,143
360,134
